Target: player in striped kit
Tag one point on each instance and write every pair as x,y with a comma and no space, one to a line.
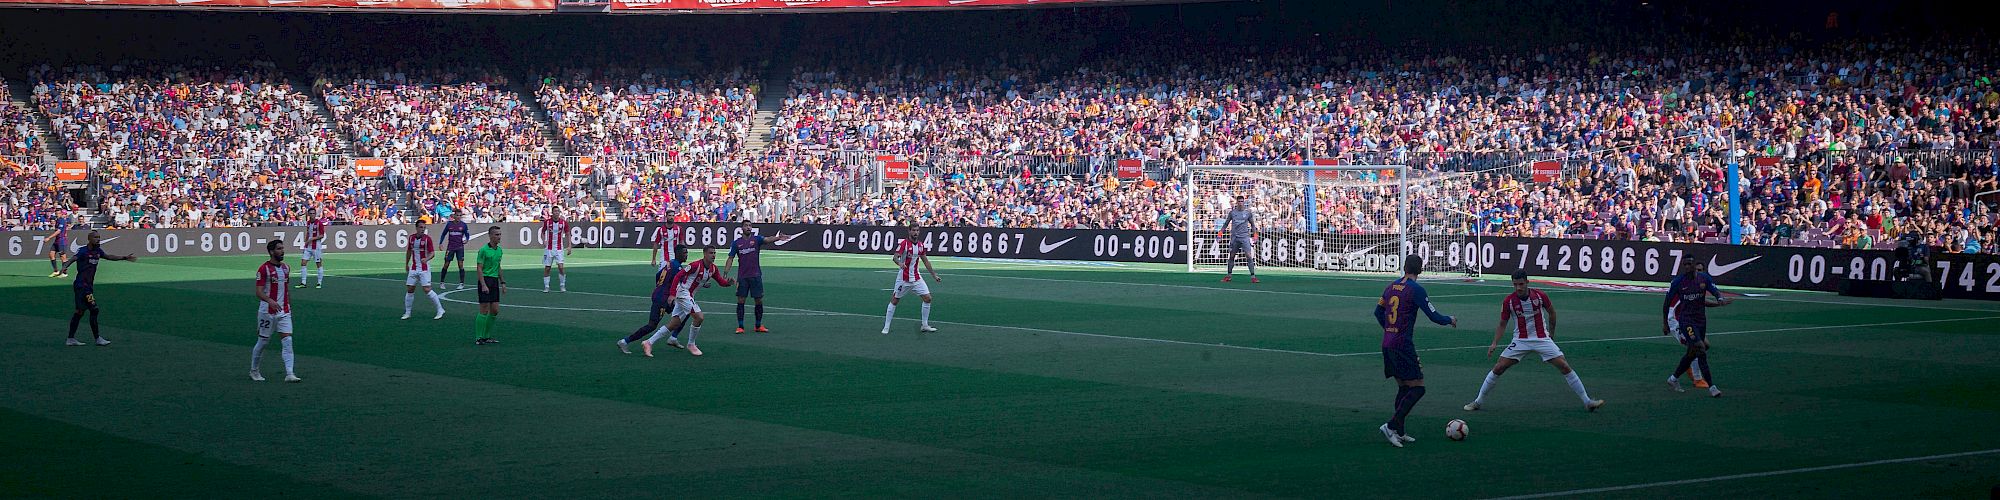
417,253
274,311
555,238
692,277
663,302
908,253
665,244
1531,317
312,251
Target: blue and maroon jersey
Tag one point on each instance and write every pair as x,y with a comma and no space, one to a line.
86,266
663,281
745,251
1684,298
1397,313
455,233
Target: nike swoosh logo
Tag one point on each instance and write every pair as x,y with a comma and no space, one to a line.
1720,269
108,240
1351,253
1046,247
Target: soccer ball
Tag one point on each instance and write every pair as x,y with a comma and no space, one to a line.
1456,430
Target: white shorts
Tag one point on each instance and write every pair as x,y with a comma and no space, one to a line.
268,323
683,306
311,254
418,278
908,287
1521,347
551,257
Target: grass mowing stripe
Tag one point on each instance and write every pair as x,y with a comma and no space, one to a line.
1732,477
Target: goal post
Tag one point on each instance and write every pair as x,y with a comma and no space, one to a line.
1327,217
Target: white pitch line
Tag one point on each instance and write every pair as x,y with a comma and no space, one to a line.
1752,475
1653,337
1200,287
446,296
1217,345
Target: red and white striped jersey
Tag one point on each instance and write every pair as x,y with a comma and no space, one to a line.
907,254
421,248
1529,314
670,238
693,275
555,234
272,278
316,233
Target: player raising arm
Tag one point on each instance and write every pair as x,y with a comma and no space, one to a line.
274,311
1397,313
86,282
750,277
1530,315
908,253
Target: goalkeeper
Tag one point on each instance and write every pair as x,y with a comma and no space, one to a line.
1240,226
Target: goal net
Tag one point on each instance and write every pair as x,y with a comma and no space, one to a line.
1329,218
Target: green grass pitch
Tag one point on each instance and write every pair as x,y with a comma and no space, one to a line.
1046,381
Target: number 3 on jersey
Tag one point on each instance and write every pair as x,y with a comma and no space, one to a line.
1393,302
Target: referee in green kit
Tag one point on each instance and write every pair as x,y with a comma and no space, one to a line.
491,285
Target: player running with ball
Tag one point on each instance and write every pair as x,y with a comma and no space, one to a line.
274,311
908,253
1532,317
692,277
1397,313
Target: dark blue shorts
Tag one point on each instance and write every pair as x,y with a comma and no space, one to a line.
1401,364
84,300
455,253
61,245
1691,334
660,309
750,287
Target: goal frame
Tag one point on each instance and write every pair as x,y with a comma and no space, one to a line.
1402,187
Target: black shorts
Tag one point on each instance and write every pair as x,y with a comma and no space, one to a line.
750,287
1401,365
85,299
455,253
1692,334
490,293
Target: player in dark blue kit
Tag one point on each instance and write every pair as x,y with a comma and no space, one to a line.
663,301
58,246
86,280
751,275
1397,312
455,233
1686,318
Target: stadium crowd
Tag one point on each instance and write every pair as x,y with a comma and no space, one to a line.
1853,144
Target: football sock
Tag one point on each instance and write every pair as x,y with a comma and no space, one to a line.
641,332
93,323
461,274
435,301
1232,269
492,323
321,280
891,318
1694,370
1702,358
1491,379
691,333
1404,405
73,320
409,298
286,352
545,282
1576,386
304,273
760,315
1682,367
257,352
53,267
1250,263
563,280
739,315
479,326
927,314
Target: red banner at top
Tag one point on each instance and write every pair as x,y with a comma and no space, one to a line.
700,5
